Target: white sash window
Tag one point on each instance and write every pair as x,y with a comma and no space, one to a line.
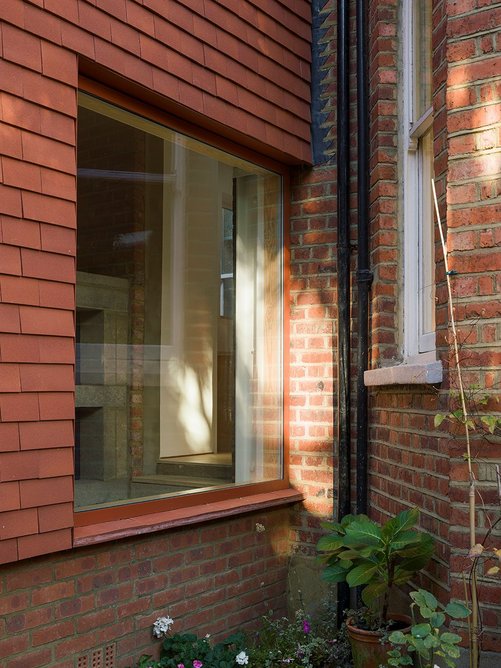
417,136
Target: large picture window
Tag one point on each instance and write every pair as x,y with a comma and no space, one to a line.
179,313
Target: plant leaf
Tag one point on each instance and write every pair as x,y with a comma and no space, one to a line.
425,612
334,573
438,419
457,610
363,532
401,576
452,651
350,554
494,570
482,400
421,647
491,422
405,520
332,526
437,620
450,638
349,519
330,543
431,641
417,556
404,540
361,574
424,598
394,653
420,630
397,638
372,592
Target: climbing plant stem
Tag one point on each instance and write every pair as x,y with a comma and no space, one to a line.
465,420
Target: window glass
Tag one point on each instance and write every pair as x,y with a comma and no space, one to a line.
426,280
423,57
179,302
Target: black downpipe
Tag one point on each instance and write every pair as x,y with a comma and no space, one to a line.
343,275
364,275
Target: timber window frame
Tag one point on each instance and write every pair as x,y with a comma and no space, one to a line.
245,489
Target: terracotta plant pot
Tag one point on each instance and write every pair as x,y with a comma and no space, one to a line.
367,650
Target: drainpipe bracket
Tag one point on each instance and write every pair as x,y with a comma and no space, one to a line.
365,276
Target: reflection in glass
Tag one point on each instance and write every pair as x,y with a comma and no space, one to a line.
426,240
178,313
422,57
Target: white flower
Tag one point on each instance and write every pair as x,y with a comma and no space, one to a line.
242,659
260,527
161,626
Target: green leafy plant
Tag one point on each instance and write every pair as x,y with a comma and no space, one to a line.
187,650
326,626
428,640
473,415
296,643
362,553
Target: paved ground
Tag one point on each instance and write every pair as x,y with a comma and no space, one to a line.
488,660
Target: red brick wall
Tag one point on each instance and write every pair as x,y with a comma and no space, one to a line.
78,607
473,61
313,363
383,109
412,462
407,465
312,316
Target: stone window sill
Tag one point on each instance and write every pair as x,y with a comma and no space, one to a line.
428,373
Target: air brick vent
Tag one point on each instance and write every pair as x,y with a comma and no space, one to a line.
104,657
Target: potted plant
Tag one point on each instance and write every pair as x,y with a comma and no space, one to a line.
378,558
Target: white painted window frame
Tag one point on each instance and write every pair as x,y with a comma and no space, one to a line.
419,345
419,364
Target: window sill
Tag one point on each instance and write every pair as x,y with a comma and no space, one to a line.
424,373
169,519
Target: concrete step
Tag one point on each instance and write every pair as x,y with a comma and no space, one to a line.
197,469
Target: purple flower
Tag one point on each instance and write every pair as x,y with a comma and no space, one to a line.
197,664
306,626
